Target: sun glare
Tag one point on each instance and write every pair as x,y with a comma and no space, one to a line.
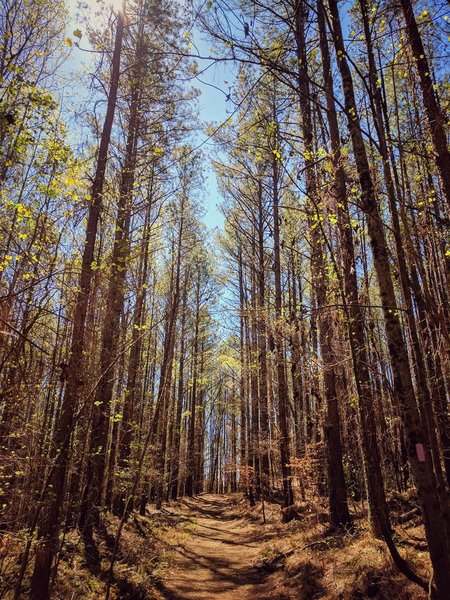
116,5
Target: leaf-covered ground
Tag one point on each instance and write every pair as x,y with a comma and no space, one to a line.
215,546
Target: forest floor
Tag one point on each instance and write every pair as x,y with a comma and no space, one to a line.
218,559
216,546
231,554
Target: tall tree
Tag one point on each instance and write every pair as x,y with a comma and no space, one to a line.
49,524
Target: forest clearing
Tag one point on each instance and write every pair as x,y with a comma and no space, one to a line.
224,299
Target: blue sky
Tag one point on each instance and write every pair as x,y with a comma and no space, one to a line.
212,109
211,103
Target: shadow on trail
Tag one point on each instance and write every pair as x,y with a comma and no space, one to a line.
216,561
222,540
209,508
225,576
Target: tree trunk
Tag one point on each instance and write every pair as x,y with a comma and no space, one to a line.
436,119
433,512
336,481
95,479
49,526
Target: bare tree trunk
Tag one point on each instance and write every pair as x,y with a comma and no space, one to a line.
49,525
288,495
175,454
434,513
336,481
190,459
95,478
436,119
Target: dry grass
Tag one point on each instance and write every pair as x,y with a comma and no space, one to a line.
300,560
144,555
349,565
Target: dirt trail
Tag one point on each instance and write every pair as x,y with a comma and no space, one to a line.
217,560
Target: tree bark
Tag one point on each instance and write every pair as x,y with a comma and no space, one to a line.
434,513
49,526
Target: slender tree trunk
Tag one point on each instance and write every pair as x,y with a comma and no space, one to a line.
379,514
336,481
129,415
190,458
434,513
288,495
95,479
176,440
49,525
436,119
243,380
262,349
